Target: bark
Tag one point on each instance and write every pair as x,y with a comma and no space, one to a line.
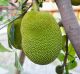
70,23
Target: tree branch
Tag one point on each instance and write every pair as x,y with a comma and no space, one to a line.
70,23
66,54
66,57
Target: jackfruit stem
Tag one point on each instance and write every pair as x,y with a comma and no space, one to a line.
35,6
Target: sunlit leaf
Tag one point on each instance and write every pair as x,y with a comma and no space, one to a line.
71,49
72,64
61,56
71,57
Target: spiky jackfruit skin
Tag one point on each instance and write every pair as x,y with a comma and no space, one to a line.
41,37
75,2
17,34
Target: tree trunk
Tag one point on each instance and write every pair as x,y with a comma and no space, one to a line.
70,23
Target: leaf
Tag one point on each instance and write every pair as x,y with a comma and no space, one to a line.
72,64
71,52
70,57
17,63
71,49
61,56
3,49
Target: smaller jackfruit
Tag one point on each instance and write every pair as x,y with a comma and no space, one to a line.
59,69
75,2
16,34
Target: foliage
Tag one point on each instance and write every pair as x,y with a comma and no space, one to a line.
70,60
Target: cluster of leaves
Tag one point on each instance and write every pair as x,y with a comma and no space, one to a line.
71,56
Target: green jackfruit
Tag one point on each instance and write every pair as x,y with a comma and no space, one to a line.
75,2
16,34
59,69
41,37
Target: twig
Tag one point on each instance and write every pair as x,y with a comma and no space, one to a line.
66,56
13,5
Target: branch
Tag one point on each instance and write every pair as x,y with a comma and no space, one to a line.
70,23
13,5
66,54
66,57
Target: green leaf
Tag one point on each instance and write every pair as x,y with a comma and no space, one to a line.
61,57
70,57
71,52
72,64
3,49
17,63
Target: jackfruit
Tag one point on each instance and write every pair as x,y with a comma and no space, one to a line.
41,37
16,34
75,2
59,69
